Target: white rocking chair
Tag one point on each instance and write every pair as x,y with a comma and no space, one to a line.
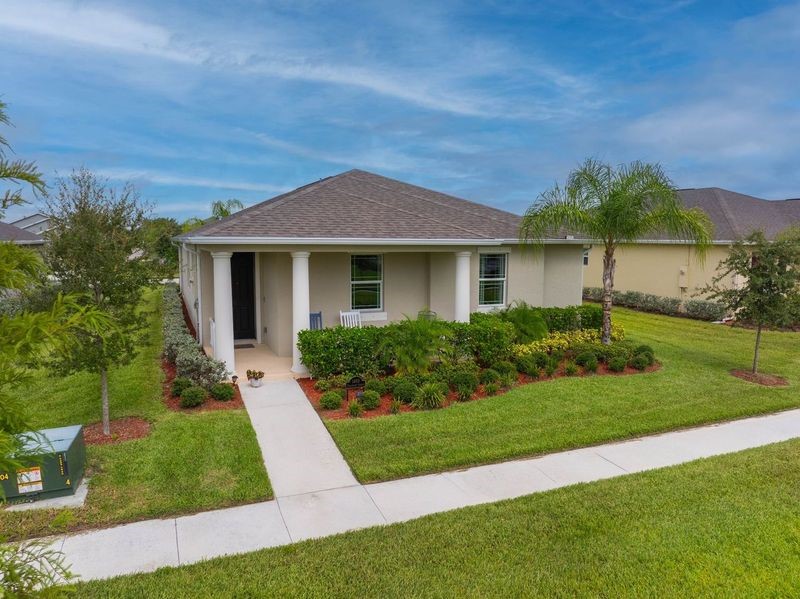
350,319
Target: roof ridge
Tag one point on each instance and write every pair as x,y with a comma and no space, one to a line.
726,211
417,215
470,202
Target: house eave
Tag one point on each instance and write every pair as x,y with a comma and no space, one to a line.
257,240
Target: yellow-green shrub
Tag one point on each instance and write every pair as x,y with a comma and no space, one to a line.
562,341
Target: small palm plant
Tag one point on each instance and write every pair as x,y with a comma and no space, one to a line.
614,207
415,342
220,209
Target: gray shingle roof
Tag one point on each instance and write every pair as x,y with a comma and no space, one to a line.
736,215
361,205
17,235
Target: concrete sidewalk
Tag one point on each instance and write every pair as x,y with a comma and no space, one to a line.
145,546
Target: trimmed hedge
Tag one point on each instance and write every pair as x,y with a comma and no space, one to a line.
698,309
181,349
487,339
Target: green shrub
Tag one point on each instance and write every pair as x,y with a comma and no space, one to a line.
414,343
551,367
492,389
179,384
430,396
354,408
704,309
490,338
337,350
338,381
508,380
617,364
489,376
331,400
571,369
464,380
405,390
464,393
323,385
642,349
222,392
528,365
191,397
181,348
527,321
504,367
376,385
370,400
640,361
585,357
591,364
389,383
394,406
621,349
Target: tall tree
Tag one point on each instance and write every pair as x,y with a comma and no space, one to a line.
759,282
96,246
26,339
158,235
614,206
15,174
220,209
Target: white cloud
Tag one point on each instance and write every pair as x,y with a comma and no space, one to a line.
125,174
288,51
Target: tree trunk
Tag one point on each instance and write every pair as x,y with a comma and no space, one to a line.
609,265
758,344
104,395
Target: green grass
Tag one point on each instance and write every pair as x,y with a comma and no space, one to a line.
693,387
190,461
728,526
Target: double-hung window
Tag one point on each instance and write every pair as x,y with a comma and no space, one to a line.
366,282
492,280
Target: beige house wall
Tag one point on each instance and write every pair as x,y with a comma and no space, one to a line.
413,281
206,295
668,270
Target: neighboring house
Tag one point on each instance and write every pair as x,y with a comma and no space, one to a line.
35,223
359,241
671,268
19,236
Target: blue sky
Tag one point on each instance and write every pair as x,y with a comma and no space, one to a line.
493,101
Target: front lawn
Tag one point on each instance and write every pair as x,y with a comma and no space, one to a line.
190,461
693,387
726,526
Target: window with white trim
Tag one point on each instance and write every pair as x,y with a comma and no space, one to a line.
366,282
492,280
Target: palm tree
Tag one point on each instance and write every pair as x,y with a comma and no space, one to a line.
15,172
614,207
220,209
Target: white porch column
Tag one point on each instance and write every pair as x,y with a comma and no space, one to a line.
462,286
300,305
223,310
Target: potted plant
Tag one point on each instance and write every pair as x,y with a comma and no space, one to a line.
254,377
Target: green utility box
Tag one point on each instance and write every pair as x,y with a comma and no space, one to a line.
54,467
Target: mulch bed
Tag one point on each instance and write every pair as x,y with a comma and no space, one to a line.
768,380
210,404
313,395
122,429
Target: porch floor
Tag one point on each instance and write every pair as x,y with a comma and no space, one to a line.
261,357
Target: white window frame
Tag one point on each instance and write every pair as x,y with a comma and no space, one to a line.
482,279
356,283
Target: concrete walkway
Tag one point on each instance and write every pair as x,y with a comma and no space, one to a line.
298,454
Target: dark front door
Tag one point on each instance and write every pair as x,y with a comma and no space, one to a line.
243,289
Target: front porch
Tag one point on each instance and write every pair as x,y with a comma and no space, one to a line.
251,355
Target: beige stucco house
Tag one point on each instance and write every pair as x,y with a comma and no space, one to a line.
359,241
672,268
